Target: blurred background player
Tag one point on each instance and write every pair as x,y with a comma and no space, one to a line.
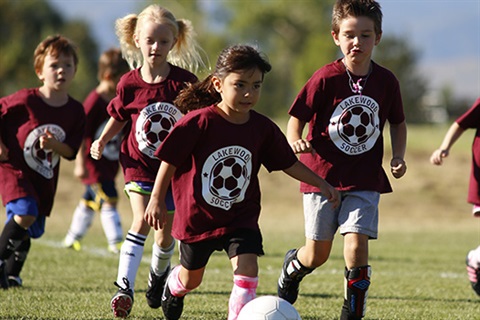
145,97
98,176
469,120
37,127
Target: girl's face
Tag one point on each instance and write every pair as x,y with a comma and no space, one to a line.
57,73
155,41
240,92
357,38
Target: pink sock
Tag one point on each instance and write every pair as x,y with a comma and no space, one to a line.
176,287
244,290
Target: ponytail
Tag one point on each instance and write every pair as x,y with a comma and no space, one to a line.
197,95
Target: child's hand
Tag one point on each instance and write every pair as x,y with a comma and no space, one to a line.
437,156
80,171
96,149
332,194
47,140
302,146
156,214
3,152
398,167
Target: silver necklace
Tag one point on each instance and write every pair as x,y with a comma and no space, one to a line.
356,87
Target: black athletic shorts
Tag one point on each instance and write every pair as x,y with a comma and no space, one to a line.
195,255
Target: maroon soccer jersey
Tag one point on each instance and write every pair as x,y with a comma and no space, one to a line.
215,186
471,120
106,168
30,170
153,115
345,128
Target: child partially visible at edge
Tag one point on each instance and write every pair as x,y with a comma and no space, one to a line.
98,176
159,46
346,104
215,177
38,126
469,120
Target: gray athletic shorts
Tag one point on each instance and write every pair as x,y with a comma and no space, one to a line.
357,213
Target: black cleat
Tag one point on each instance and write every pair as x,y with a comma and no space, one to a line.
155,288
172,306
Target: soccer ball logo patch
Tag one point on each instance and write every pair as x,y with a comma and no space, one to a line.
226,176
154,124
43,161
354,126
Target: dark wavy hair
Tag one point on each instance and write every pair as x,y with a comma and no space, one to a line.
231,59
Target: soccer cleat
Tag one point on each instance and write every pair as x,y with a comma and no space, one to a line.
14,281
122,301
473,275
75,245
155,288
290,277
3,275
115,248
172,306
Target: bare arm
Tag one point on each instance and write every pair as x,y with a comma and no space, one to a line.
156,211
301,172
294,136
112,128
80,171
452,135
3,151
398,137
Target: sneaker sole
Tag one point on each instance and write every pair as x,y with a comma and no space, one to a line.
121,306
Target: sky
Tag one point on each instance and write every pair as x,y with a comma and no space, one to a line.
445,33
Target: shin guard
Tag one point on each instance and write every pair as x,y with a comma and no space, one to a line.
357,281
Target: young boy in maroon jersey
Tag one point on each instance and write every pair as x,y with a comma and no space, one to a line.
37,127
346,104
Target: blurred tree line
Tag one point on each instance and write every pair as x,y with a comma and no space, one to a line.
295,36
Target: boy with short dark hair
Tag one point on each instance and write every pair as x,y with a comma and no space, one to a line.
346,104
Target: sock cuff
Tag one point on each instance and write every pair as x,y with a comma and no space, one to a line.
245,281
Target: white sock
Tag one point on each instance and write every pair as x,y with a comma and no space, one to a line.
130,257
474,257
81,221
161,258
111,224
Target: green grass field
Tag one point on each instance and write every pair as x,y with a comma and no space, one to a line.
418,262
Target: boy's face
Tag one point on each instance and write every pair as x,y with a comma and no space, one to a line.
57,72
357,38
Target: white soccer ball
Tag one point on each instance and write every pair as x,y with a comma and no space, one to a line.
268,308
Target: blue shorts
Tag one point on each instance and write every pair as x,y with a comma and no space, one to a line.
96,194
27,206
146,188
357,213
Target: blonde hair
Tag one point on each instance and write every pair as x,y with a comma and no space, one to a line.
186,51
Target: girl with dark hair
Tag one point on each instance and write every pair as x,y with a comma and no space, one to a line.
212,158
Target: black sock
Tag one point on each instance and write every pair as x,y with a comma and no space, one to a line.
11,237
17,260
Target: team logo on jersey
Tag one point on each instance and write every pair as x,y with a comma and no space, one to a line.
112,149
153,125
42,161
354,126
226,176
